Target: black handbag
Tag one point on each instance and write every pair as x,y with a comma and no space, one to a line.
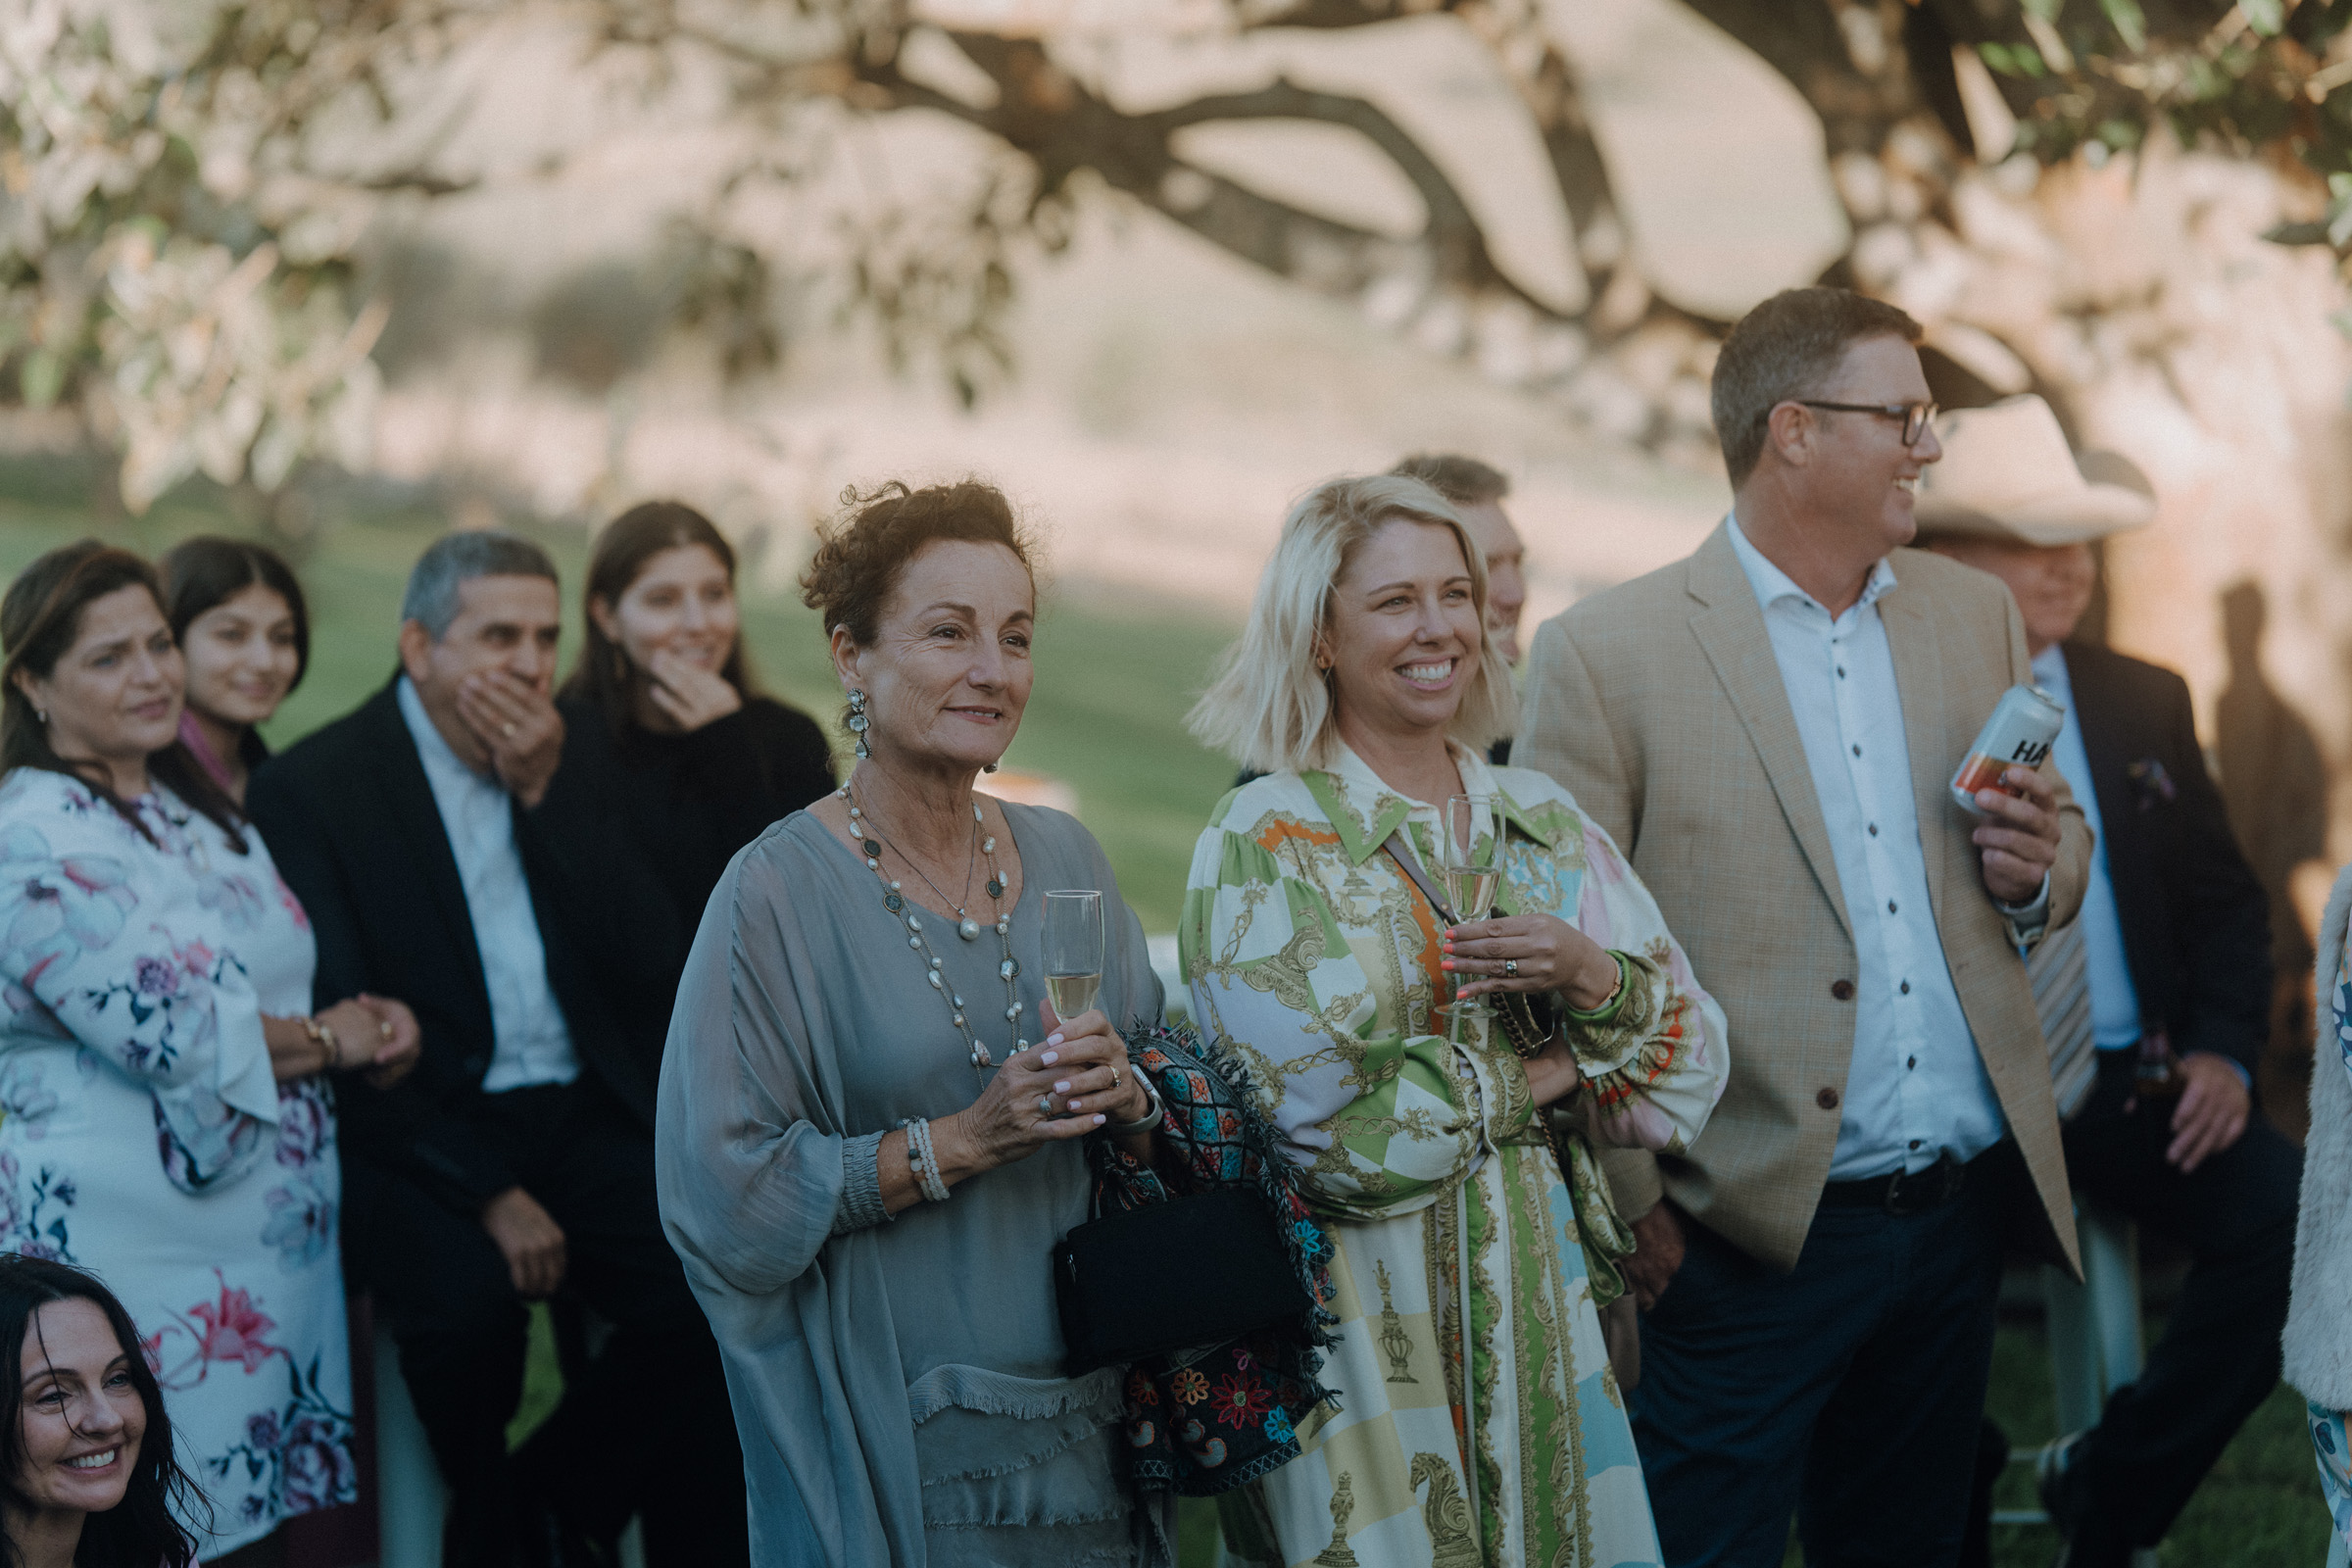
1168,1276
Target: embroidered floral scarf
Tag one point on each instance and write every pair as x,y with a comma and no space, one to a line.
1217,1416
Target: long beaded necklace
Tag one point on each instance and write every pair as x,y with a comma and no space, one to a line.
894,899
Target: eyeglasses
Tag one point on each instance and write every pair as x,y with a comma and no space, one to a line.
1915,417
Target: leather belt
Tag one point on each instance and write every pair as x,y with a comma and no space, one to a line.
1903,1191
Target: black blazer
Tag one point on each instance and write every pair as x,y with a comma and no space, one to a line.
2196,923
350,820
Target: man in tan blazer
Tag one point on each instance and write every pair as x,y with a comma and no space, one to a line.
1767,728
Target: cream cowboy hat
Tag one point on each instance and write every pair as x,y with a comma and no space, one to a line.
2007,473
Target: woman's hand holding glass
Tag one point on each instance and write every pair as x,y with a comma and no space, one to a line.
1076,1082
1542,951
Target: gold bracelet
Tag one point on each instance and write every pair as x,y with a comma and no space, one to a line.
323,1035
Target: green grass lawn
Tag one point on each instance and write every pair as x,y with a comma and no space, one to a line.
1114,677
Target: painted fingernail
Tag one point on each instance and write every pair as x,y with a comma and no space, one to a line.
1099,1121
1074,1104
1063,1088
1053,1038
1447,964
1050,1058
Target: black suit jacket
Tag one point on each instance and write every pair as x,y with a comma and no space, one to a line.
351,820
2196,923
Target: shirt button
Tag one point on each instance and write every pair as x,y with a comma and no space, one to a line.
1874,830
1906,988
1826,1099
1841,672
1842,989
1910,1063
1890,906
1914,1143
1857,751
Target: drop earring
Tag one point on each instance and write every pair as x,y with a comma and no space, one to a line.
988,768
858,721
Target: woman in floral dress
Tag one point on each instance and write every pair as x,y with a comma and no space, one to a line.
2318,1343
164,1121
1457,1172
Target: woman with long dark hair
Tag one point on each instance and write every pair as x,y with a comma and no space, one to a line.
663,720
244,632
165,1119
668,744
87,1473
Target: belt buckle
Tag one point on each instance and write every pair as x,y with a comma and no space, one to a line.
1911,1192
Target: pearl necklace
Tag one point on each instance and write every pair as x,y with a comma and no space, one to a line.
894,899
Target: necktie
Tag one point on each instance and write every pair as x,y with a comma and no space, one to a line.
2060,972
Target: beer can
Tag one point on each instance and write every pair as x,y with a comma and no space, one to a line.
2024,726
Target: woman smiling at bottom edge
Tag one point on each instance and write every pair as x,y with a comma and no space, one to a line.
86,1474
1458,1174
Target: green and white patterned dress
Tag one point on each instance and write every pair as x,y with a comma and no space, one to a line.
1317,961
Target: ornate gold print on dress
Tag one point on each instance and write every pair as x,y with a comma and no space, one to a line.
1343,1505
1445,1514
1395,1343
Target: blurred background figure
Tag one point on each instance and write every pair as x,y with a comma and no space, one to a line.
167,1121
91,1477
518,1164
670,752
2156,1003
244,632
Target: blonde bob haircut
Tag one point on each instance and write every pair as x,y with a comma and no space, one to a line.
1269,707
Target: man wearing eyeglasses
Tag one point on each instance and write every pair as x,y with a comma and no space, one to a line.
1767,728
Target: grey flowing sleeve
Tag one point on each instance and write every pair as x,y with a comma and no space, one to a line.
752,1169
860,1184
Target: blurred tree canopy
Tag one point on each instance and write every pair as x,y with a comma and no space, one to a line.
187,190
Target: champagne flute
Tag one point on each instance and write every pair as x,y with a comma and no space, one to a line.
1469,850
1074,951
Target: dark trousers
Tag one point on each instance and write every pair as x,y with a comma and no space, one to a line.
2219,1357
1845,1392
644,1428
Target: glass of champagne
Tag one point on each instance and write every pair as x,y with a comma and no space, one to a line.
1074,951
1469,850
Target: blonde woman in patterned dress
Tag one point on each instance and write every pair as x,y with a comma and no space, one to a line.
1368,688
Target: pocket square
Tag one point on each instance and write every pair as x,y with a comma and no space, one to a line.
2150,783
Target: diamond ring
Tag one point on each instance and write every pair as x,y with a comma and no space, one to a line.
1045,1105
1510,968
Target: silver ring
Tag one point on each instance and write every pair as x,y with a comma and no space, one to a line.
1045,1105
1510,968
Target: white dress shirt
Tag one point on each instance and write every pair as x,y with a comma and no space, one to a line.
2115,1021
1917,1087
531,1043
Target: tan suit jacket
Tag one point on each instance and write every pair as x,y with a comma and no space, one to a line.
1661,706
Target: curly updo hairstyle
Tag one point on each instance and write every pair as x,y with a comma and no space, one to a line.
861,555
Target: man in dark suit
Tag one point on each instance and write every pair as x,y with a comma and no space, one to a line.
517,1161
2156,1016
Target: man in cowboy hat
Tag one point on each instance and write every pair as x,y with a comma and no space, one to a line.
2155,1004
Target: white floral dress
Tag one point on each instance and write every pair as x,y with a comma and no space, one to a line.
142,1136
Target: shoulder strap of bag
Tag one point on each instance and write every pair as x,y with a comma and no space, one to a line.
1402,853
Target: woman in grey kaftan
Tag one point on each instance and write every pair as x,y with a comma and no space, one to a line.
863,1160
898,1383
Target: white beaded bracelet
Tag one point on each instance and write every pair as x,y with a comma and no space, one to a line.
923,1160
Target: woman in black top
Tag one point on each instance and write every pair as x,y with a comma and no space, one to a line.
665,741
